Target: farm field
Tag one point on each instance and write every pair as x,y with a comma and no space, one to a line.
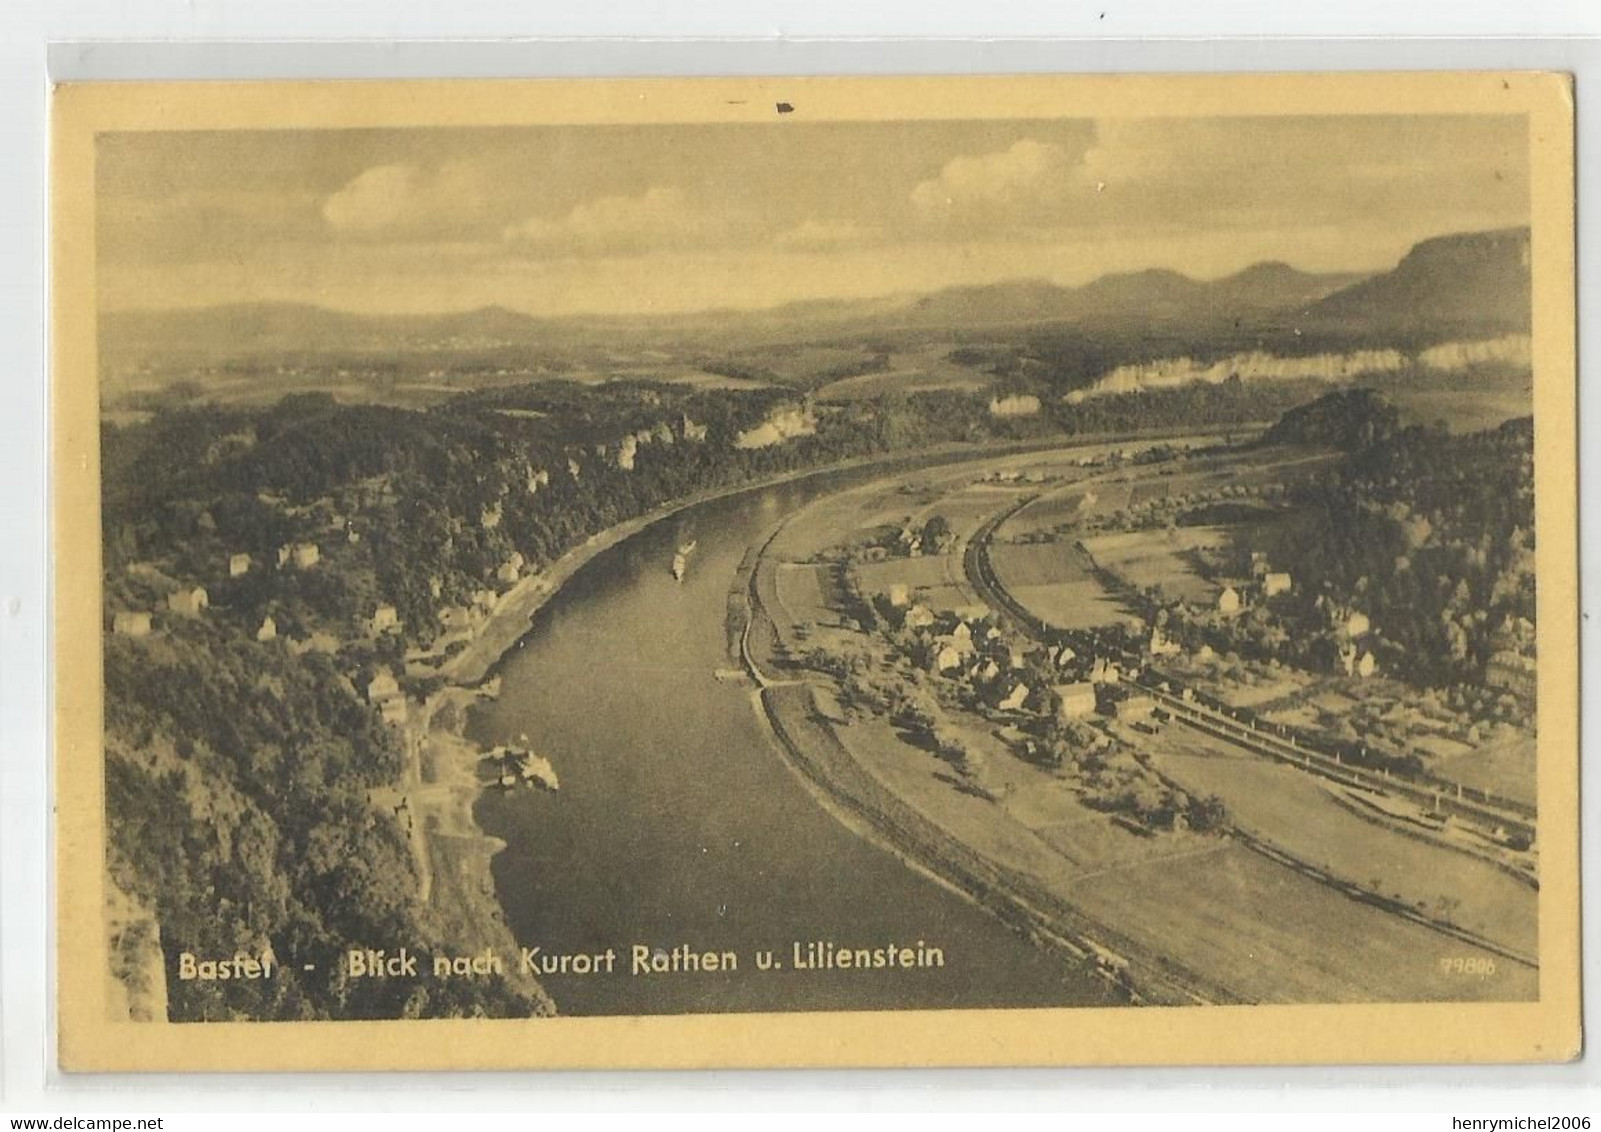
900,382
1506,770
1052,582
803,592
1063,507
1277,936
1209,904
1147,558
936,581
1295,812
1072,605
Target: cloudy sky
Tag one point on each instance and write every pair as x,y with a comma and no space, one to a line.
568,219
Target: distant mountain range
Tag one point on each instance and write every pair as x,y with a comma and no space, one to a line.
1476,280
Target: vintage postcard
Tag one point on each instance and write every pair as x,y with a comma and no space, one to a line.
784,572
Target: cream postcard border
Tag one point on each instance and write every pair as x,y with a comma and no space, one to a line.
1546,1030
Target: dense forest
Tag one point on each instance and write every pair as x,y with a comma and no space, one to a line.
1433,536
1429,534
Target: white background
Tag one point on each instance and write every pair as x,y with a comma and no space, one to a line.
41,42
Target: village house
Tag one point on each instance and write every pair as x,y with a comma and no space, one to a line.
1356,624
1276,583
303,554
1357,663
947,659
899,594
1138,705
131,623
317,642
189,602
384,618
1160,644
455,617
1104,672
383,686
1061,657
268,630
485,599
919,617
489,519
1016,698
1228,602
989,672
511,569
1075,701
238,564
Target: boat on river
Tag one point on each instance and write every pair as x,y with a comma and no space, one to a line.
681,560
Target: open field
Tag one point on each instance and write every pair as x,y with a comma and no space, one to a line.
968,508
910,371
1052,581
1156,558
1277,936
803,592
1065,507
1041,564
1507,770
1294,811
1206,903
916,379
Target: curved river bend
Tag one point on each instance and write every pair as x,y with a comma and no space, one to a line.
679,823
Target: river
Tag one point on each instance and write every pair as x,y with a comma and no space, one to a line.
679,823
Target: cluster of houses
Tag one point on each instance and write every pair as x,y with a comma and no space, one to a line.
193,601
1265,583
998,669
1353,633
912,541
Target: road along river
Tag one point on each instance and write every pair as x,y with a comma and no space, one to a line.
679,824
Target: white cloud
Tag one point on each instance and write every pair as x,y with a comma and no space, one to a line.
1026,179
826,235
656,218
405,198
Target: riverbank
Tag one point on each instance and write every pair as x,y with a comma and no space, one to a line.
509,621
435,800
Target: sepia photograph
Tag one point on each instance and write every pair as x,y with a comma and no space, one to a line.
1074,553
